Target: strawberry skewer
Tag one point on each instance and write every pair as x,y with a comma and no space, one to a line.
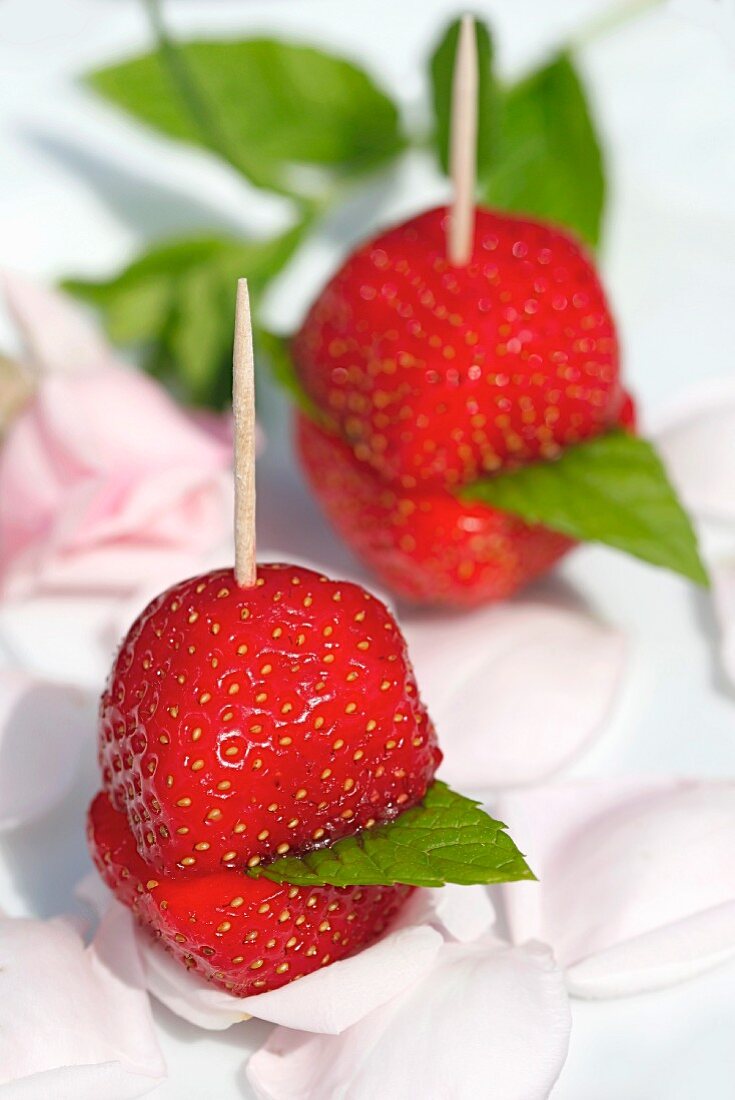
463,151
243,410
252,713
461,344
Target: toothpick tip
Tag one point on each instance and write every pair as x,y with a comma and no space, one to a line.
463,144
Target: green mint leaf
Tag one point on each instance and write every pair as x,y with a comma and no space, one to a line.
548,161
538,152
276,106
612,489
275,350
177,302
447,838
441,70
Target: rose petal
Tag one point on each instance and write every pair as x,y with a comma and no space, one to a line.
636,880
527,686
16,386
659,958
696,440
462,913
328,1000
103,478
89,503
57,333
42,728
723,596
487,1020
75,1022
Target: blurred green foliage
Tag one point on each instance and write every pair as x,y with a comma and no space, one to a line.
272,109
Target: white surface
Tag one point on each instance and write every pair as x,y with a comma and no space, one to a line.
81,189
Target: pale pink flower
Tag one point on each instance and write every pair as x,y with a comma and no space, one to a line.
103,479
696,439
488,1020
517,691
42,728
636,882
75,1021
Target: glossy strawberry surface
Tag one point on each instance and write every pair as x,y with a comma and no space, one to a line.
245,935
241,724
437,375
427,547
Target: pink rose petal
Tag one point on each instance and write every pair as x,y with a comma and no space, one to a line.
487,1020
515,691
42,728
636,880
103,479
75,1022
723,596
57,333
696,439
461,913
328,1000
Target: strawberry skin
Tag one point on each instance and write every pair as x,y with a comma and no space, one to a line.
427,547
241,724
245,935
436,375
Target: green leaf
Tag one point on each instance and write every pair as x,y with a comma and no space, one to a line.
548,162
177,302
538,152
274,106
275,350
441,70
447,838
612,489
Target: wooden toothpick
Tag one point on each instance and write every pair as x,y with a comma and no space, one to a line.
243,408
463,145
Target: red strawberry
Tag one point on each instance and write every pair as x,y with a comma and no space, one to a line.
239,724
426,547
248,935
436,375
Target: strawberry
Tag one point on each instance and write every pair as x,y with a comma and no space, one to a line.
436,375
239,724
247,935
426,547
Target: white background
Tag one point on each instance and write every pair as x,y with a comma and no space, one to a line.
81,189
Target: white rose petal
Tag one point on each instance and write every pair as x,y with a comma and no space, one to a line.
75,1022
526,686
488,1020
636,882
696,440
42,728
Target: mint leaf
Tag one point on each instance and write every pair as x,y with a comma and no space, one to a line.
612,489
548,162
441,70
177,302
275,350
276,106
447,838
538,152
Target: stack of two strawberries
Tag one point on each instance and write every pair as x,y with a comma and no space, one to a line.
428,380
465,425
268,766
